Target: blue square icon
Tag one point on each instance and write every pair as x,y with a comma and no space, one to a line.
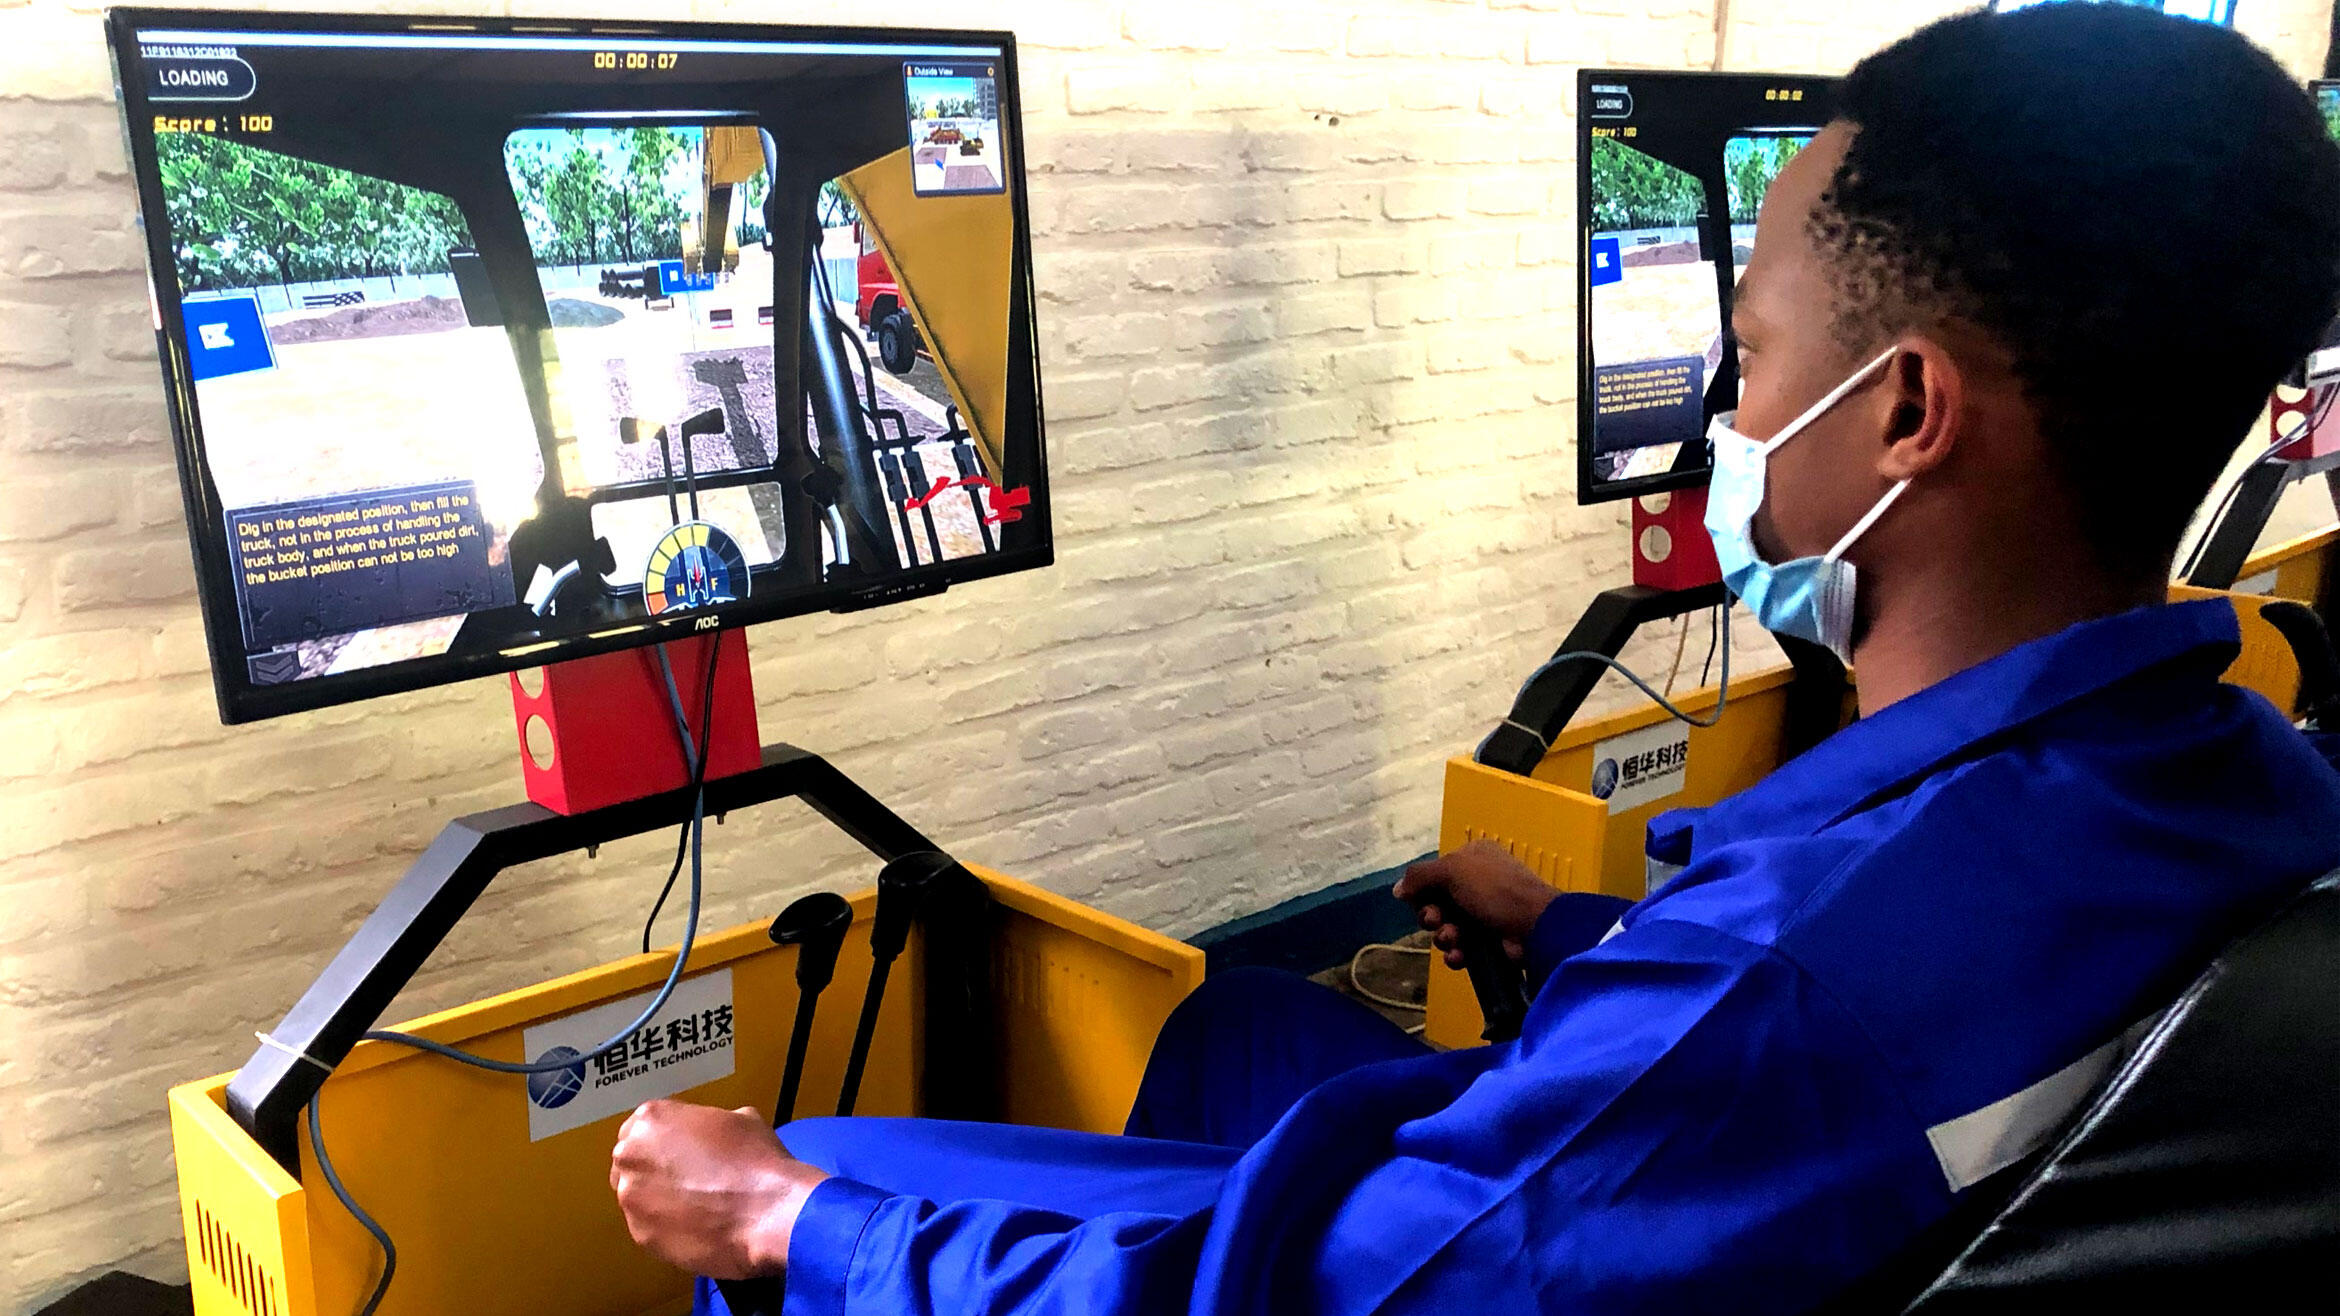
673,280
225,336
1605,263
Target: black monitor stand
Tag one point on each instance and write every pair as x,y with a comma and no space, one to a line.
268,1094
1548,703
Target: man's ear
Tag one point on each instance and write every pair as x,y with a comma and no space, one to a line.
1925,398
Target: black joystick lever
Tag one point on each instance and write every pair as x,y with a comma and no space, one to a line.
898,494
1498,983
816,926
914,474
1495,980
901,889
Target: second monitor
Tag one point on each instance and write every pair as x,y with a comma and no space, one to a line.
1671,170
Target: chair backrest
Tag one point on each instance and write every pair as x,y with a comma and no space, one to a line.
2207,1169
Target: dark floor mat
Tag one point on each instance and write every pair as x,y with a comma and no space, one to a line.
119,1294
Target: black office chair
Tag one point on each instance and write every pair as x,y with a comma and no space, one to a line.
2204,1174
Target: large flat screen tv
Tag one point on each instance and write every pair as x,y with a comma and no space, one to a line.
1671,169
491,343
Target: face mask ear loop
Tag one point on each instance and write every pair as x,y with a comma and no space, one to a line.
1834,396
1861,527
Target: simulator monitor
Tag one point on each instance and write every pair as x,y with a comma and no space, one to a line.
493,343
2220,12
2323,364
1671,169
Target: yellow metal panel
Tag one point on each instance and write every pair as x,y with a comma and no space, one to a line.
491,1223
1553,830
1556,835
2299,565
1724,760
1081,999
244,1217
2266,664
488,1222
950,255
1572,840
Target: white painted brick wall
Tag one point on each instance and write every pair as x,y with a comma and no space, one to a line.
1307,318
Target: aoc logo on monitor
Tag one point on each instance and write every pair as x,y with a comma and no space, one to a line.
555,1088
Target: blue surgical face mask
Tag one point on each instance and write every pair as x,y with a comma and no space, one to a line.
1810,597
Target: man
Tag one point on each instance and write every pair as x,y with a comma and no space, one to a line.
2014,309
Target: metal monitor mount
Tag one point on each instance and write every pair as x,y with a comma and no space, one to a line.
267,1096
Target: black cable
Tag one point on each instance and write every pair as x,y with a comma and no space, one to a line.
696,828
682,847
1722,694
698,775
2210,527
349,1204
1713,632
694,754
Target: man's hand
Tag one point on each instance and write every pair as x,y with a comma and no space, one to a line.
709,1191
1483,881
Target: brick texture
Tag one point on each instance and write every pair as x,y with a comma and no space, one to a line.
1305,298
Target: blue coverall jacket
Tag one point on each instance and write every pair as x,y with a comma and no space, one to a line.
1858,989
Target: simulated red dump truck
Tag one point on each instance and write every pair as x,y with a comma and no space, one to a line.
880,308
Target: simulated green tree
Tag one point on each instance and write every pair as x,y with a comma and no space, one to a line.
1749,166
648,216
242,216
1632,190
750,208
591,195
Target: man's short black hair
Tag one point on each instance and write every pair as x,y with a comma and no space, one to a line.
2144,211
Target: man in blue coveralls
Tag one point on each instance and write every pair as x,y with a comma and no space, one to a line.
2026,294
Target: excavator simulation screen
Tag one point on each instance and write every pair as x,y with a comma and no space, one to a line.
2323,364
496,343
1672,170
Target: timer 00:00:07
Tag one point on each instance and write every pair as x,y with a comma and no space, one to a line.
635,59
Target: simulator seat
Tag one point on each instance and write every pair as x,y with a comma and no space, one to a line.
2204,1175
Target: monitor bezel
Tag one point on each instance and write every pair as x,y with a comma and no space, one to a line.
239,699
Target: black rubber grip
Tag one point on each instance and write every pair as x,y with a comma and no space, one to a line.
1495,980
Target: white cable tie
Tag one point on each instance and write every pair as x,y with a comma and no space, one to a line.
293,1051
1541,743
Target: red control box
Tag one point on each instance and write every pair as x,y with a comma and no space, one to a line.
600,730
2305,427
1670,546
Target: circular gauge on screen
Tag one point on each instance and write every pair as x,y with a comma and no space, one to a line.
695,565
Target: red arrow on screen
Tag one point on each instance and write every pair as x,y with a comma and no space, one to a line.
1006,504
